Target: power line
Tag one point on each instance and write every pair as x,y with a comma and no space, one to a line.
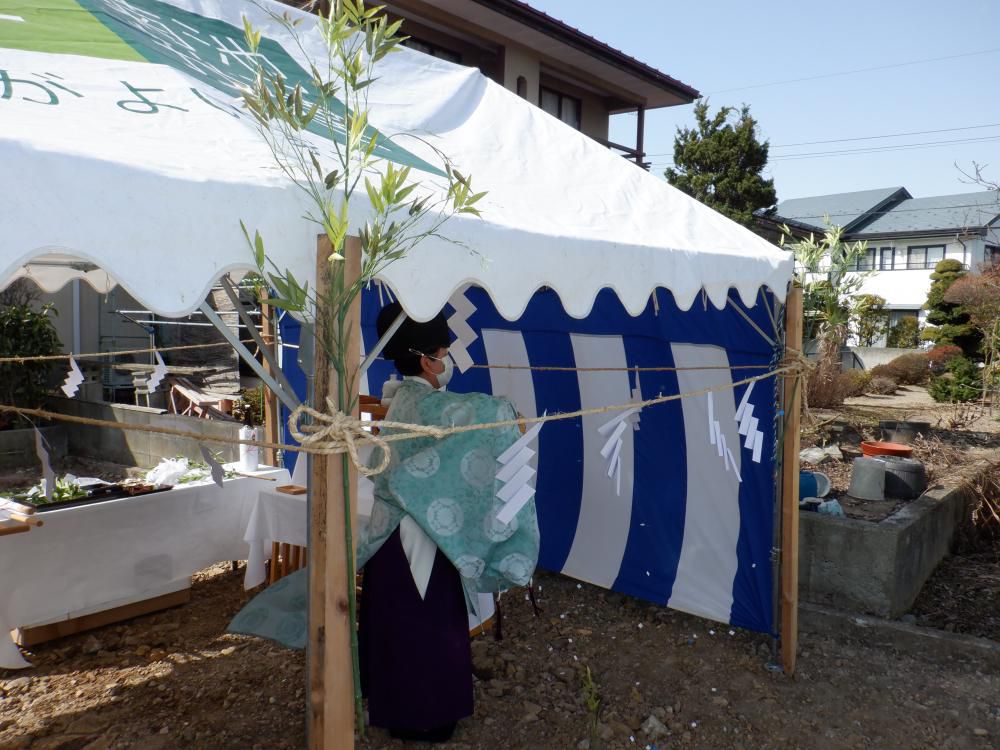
857,70
874,137
864,137
882,149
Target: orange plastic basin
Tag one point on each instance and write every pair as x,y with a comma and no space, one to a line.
881,448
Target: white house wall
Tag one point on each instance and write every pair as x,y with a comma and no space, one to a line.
908,289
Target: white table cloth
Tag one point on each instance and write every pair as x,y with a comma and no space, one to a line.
95,557
277,517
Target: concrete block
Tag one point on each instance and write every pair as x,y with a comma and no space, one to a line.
133,447
17,447
877,568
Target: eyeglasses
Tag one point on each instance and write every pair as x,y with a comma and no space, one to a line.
429,356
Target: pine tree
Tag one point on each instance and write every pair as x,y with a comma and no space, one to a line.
949,324
720,162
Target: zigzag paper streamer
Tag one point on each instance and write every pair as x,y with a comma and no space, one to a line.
614,429
464,333
218,473
73,380
515,473
753,437
48,476
159,373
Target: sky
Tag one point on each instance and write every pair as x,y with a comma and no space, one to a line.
728,48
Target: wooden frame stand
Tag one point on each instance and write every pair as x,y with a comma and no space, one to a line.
331,676
36,634
792,404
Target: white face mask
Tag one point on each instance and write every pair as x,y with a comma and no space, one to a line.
444,377
449,369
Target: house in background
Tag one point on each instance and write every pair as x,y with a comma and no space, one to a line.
567,73
906,236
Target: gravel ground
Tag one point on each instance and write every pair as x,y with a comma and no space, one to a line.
663,679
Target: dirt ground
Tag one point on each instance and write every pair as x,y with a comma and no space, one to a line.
661,679
176,680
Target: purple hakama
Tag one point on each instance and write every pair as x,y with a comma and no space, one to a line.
416,662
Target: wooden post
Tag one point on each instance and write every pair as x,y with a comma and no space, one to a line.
272,411
331,678
790,487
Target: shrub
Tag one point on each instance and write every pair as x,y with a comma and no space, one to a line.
940,356
912,369
853,383
904,335
963,382
907,369
25,332
882,385
249,408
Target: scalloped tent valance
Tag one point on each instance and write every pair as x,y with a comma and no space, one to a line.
134,157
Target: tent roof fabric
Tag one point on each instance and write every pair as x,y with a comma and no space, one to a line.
145,167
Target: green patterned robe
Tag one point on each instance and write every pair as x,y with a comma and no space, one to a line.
449,487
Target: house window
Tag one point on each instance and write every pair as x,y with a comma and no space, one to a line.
885,259
992,255
566,108
433,50
867,261
522,87
922,257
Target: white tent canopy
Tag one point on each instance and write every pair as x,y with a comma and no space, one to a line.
154,198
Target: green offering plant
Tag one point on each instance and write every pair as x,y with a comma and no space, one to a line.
348,161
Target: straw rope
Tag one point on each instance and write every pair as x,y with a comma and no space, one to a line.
563,368
334,432
124,352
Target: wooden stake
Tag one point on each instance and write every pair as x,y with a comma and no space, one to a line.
272,412
275,552
331,679
31,520
790,489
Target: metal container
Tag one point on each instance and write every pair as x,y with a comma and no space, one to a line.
902,431
867,479
905,478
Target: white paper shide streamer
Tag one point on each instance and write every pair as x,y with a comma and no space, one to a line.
464,333
159,373
73,379
718,439
515,473
218,472
637,396
48,476
613,430
753,438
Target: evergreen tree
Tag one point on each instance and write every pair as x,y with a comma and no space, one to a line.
949,324
720,162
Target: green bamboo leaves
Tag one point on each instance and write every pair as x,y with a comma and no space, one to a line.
395,213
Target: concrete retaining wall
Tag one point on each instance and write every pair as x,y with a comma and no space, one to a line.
877,568
133,448
870,356
17,447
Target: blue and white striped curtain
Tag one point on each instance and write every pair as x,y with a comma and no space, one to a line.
686,524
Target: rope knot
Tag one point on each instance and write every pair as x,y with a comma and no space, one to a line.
334,432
